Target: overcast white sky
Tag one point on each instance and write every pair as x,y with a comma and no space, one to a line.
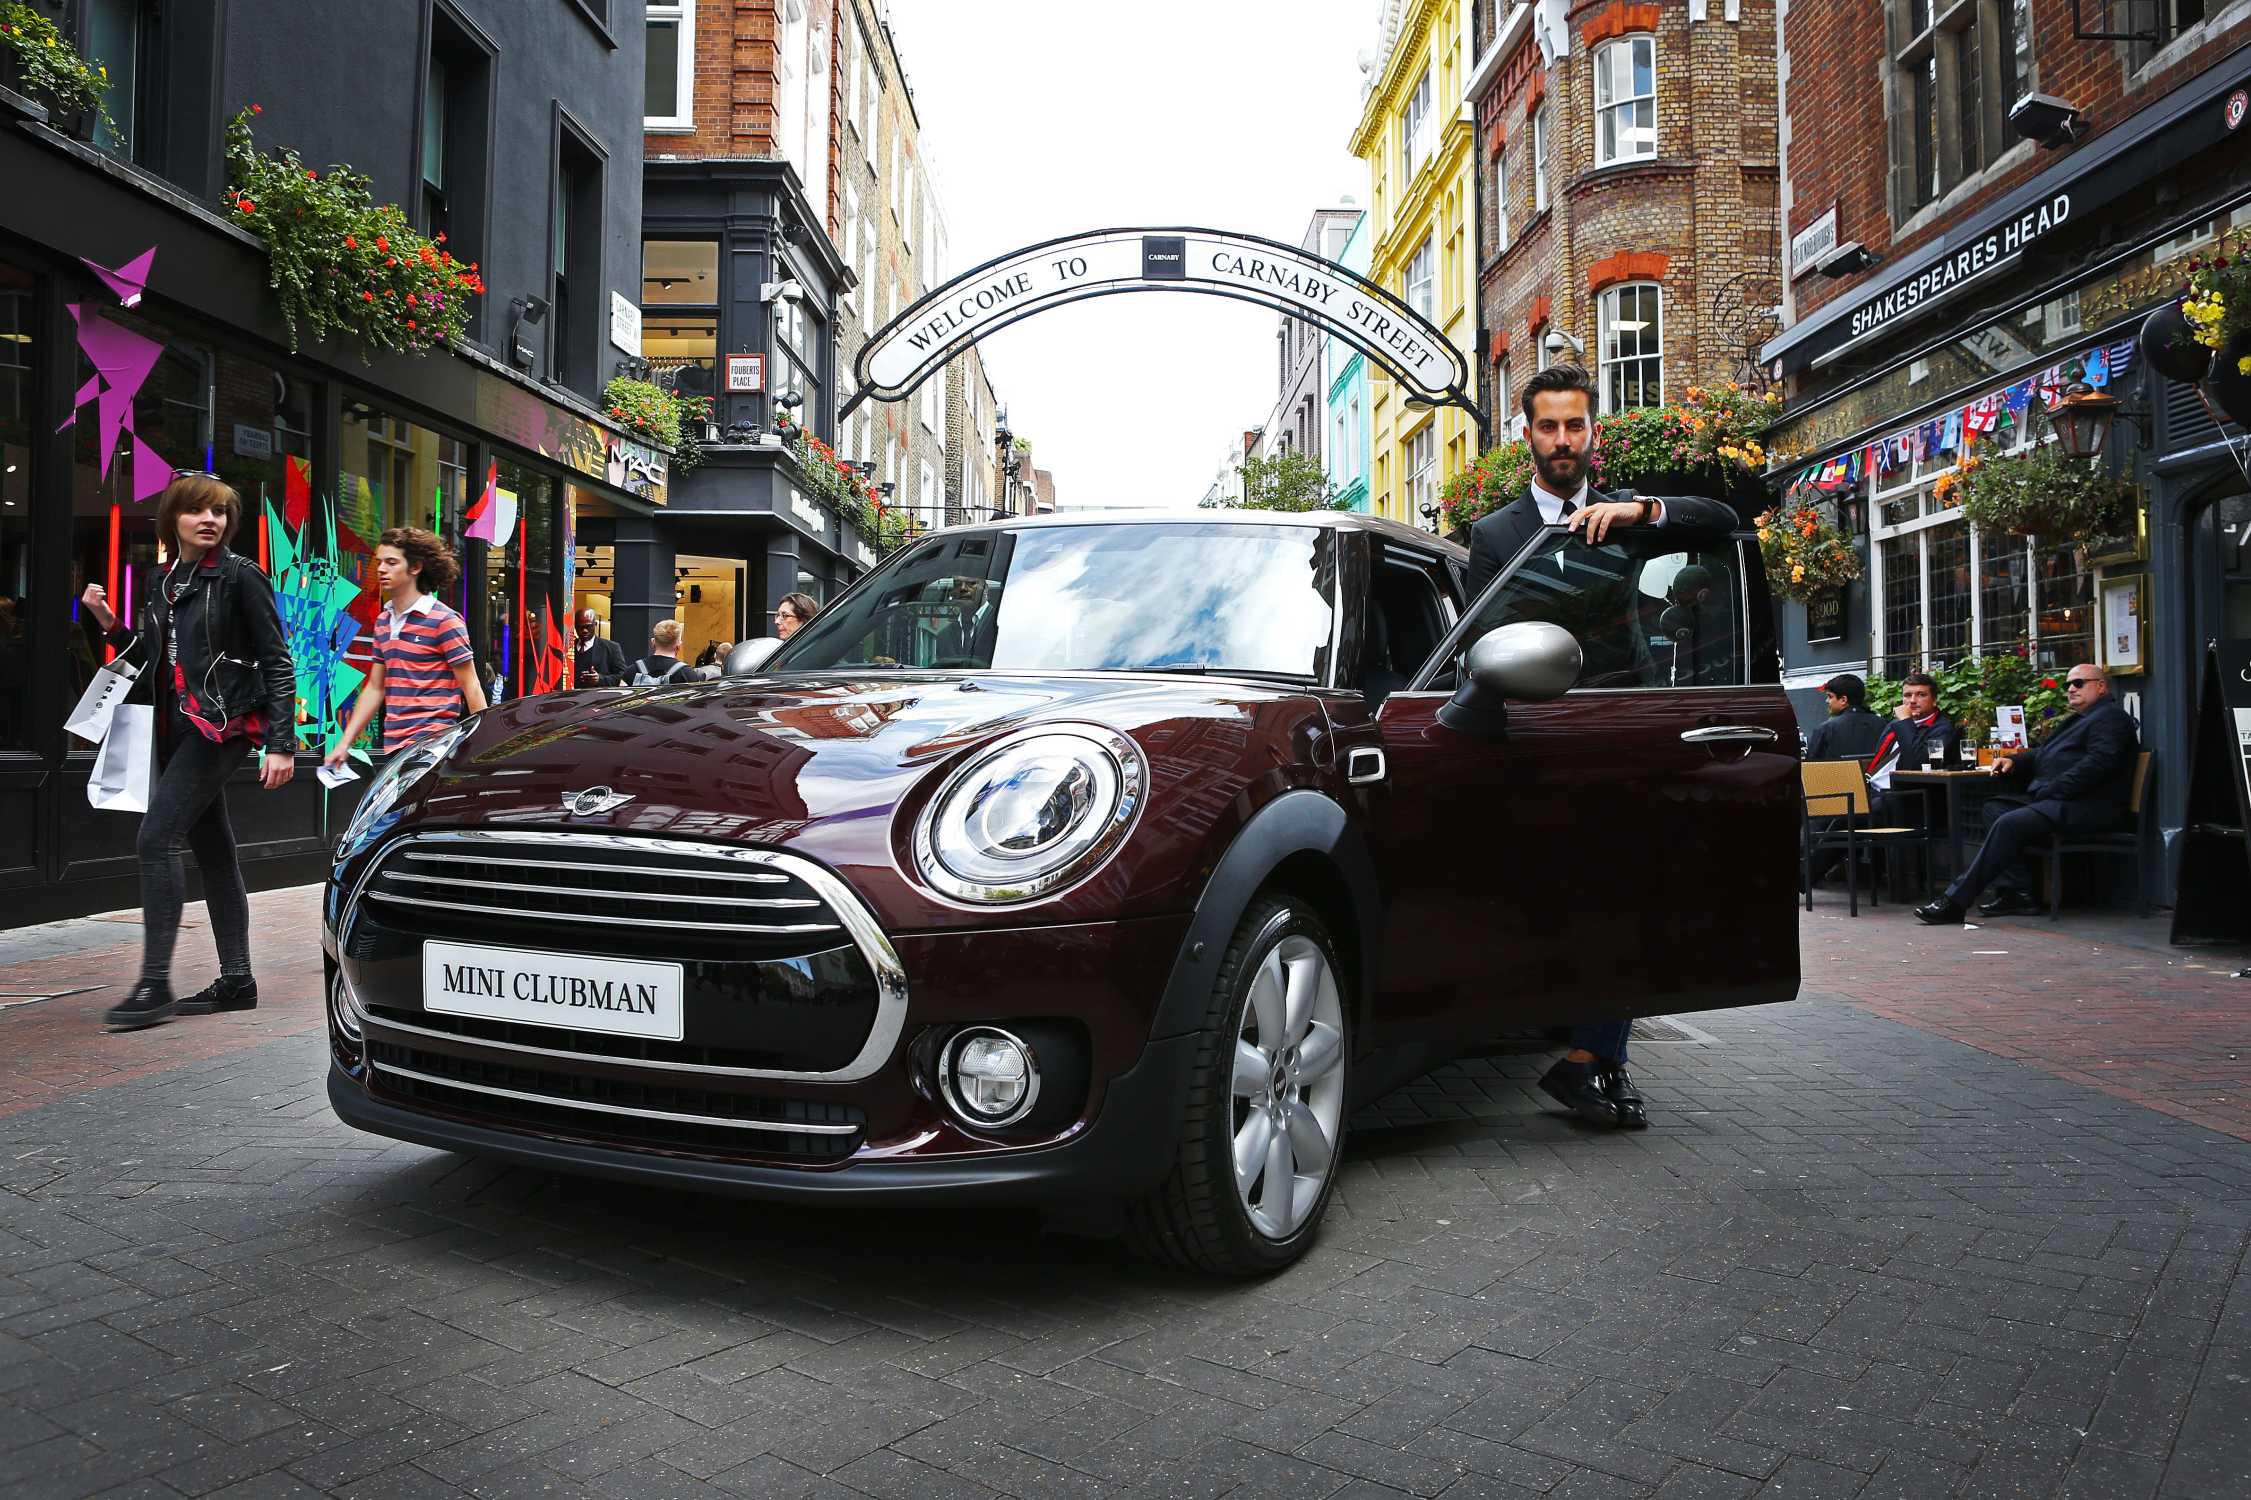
1047,117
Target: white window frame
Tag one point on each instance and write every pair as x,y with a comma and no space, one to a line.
1500,201
1617,110
850,63
1422,278
930,506
1504,407
1421,465
1415,130
1540,158
851,216
1607,306
683,12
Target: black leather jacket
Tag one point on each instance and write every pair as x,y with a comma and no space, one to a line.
233,650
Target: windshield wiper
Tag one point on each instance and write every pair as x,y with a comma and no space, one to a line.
1203,669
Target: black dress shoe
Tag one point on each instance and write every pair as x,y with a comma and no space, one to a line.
148,1003
1573,1085
1613,1084
1940,913
227,992
2012,904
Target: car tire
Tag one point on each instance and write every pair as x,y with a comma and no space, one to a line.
1268,1084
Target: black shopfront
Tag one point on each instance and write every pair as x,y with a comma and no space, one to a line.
326,449
740,298
2047,285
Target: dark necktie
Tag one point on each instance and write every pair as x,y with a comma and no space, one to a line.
1568,508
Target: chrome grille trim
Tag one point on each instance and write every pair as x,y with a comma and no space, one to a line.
371,1020
843,903
760,876
764,903
788,1127
753,928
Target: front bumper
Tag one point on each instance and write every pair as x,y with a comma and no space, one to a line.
1122,1152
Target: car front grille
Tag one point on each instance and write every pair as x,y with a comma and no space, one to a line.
681,1117
626,893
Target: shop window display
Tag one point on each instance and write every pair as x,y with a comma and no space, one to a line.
392,472
203,410
18,626
528,649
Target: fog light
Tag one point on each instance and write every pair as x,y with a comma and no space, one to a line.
344,1010
988,1076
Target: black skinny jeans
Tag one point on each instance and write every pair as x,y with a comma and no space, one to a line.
188,805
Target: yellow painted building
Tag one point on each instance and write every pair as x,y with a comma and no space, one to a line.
1415,135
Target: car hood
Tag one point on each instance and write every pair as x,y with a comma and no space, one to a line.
821,763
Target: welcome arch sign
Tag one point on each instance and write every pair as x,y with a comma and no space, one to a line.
917,343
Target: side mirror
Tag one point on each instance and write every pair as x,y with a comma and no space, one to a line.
1530,660
748,656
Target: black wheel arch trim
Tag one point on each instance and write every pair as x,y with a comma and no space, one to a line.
1300,821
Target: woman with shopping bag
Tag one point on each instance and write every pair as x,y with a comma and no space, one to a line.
224,684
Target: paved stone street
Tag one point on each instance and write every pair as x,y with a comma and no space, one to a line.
1969,1219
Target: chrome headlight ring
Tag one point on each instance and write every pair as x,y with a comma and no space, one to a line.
1030,814
395,780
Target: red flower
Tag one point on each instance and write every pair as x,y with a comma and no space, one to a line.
367,296
383,243
441,236
245,205
351,243
257,109
410,323
311,175
2047,682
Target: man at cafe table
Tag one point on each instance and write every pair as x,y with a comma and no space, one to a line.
2078,783
1907,743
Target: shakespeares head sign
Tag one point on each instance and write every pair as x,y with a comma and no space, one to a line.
924,336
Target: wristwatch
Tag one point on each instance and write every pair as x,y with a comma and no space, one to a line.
1648,512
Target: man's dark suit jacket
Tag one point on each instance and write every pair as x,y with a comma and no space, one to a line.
1851,735
1913,735
2082,778
1495,540
601,663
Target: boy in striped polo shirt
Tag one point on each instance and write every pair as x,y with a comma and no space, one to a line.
425,674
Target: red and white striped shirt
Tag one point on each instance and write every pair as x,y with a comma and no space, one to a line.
419,649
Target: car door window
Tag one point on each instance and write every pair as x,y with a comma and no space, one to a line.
1647,612
1407,617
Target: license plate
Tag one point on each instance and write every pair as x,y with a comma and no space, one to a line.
623,996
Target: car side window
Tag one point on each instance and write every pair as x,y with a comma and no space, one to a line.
1646,614
1407,618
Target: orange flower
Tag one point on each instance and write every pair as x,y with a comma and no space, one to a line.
383,243
367,296
350,243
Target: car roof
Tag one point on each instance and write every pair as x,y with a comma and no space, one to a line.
1332,520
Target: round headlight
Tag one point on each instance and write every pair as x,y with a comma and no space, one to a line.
989,1076
1031,814
395,780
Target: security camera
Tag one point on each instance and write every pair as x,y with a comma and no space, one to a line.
1557,341
2045,118
772,291
1848,259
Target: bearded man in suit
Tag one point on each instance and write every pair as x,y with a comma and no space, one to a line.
1590,1080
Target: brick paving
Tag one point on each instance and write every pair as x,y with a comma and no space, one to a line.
1897,1239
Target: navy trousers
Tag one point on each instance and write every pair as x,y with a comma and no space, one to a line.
1605,1039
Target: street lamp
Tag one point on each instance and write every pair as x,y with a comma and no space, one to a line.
2082,420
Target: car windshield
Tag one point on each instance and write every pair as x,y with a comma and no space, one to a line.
1200,596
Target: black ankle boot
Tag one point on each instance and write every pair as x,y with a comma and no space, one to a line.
148,1003
227,992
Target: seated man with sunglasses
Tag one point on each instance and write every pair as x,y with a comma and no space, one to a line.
2079,782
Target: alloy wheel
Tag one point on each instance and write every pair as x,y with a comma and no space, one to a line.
1288,1086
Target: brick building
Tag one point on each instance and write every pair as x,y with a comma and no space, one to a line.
743,289
1627,194
1956,256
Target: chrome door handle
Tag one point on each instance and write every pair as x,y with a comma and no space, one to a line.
1723,734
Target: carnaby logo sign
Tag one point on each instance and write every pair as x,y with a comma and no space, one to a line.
1963,265
1004,291
2239,103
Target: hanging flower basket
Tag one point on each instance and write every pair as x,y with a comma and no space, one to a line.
1710,443
342,263
2218,310
1499,476
1806,557
659,416
2038,492
37,62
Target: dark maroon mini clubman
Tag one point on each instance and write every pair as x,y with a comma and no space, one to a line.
1103,862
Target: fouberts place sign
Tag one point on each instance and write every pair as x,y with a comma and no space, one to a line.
1962,266
924,336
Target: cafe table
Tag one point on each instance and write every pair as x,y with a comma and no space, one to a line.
1951,783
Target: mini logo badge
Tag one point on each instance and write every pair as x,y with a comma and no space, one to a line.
2238,103
595,799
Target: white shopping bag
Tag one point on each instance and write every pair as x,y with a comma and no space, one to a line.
90,719
120,782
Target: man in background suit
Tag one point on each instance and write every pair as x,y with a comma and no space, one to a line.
599,661
2080,782
1850,732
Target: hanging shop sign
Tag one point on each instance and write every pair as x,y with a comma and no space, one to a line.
625,324
1809,244
1958,268
746,374
923,337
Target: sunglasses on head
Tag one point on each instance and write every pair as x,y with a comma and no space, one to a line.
193,474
